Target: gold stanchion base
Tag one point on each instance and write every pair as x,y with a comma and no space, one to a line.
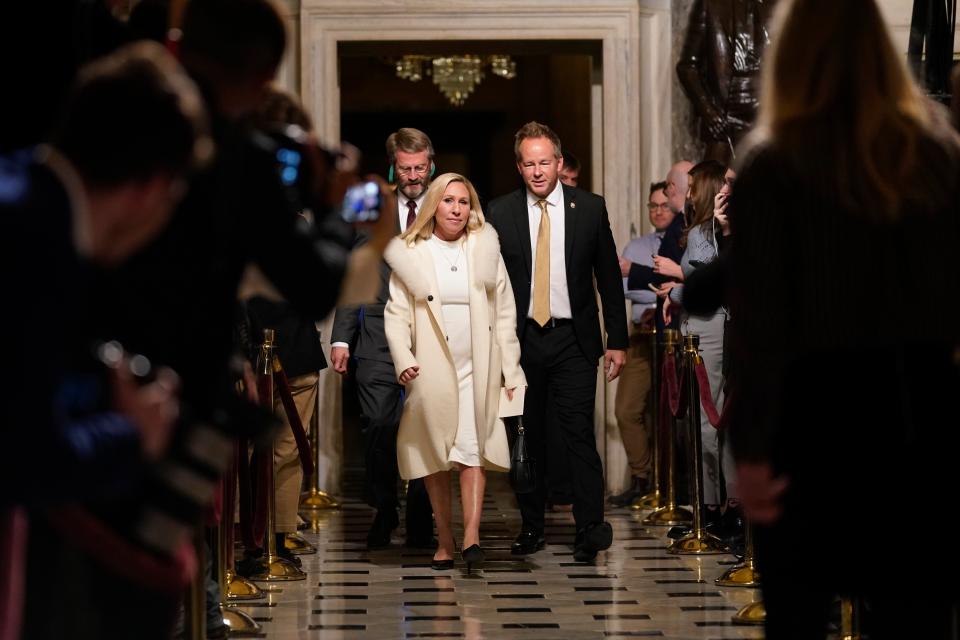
753,613
692,544
277,569
240,623
668,517
744,574
297,545
317,499
239,588
649,501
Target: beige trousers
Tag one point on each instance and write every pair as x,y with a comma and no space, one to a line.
286,457
631,404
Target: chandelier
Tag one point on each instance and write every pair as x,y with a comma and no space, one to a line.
455,76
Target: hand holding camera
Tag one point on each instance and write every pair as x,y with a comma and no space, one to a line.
148,397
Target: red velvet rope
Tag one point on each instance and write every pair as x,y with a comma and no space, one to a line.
121,557
246,498
261,468
663,424
675,385
706,397
670,376
293,417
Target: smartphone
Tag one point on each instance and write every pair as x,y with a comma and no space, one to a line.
361,203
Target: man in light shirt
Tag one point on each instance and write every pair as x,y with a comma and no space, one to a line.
636,377
556,241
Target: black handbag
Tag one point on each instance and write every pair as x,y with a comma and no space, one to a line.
523,471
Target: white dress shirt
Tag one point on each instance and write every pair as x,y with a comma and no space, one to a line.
559,295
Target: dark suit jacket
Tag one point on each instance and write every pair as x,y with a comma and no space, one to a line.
298,341
589,251
366,337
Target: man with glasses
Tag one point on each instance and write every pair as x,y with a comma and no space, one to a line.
636,377
410,154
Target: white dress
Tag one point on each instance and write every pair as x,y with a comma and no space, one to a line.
450,265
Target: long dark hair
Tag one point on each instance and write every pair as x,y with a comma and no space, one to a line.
835,90
706,179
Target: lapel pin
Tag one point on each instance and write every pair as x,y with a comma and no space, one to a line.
573,205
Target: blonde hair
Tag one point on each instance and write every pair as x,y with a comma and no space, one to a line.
832,75
422,227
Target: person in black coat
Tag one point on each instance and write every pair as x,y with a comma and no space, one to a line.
845,299
555,240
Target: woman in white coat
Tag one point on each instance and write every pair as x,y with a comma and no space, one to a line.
452,329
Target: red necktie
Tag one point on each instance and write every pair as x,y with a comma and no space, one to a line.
411,212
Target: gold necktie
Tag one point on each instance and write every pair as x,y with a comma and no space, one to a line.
541,270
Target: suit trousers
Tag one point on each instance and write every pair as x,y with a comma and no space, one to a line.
633,394
381,405
561,377
286,456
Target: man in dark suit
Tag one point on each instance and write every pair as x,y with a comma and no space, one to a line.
555,241
719,69
410,154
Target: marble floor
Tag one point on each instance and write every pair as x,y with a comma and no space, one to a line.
636,589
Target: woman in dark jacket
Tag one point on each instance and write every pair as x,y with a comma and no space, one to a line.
846,299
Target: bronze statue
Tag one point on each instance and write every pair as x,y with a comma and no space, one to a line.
719,68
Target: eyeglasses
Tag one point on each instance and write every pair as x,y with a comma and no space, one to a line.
652,206
419,170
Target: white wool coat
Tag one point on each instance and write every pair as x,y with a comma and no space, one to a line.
416,335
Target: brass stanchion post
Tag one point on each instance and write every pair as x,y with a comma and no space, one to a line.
316,498
742,574
698,541
271,567
669,514
195,606
232,586
753,613
652,499
849,619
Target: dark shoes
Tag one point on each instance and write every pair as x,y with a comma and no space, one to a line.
473,555
637,489
591,539
441,565
729,525
383,525
528,542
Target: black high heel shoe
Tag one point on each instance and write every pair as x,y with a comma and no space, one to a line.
441,565
472,555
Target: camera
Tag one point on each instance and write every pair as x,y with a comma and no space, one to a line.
361,203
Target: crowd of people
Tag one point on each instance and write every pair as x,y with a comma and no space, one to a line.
816,270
